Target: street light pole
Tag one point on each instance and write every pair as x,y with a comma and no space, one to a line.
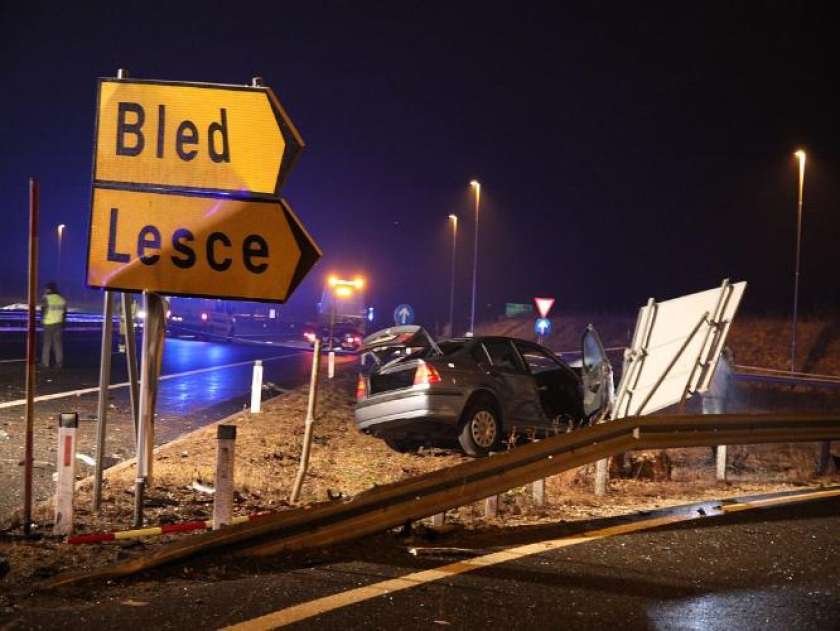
477,188
60,231
454,220
801,157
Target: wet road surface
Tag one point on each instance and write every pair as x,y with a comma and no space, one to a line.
775,568
81,369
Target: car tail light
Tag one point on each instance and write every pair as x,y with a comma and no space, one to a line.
361,388
426,374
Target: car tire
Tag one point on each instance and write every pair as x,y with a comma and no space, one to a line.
481,432
402,445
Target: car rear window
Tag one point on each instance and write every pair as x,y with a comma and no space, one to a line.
447,347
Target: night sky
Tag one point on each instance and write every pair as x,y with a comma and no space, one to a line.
624,150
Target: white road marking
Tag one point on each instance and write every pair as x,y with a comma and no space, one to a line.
312,608
78,393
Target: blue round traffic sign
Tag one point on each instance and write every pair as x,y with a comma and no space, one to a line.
403,314
542,327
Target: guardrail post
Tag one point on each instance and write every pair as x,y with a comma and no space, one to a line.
538,491
223,497
602,476
491,506
256,387
66,467
331,365
720,463
825,457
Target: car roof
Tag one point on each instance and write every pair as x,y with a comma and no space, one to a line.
483,338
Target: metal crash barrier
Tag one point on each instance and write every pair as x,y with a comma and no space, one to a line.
395,504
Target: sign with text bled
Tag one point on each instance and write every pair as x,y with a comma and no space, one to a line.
196,245
192,136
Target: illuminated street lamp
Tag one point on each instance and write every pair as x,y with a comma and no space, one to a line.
800,155
60,231
453,219
477,189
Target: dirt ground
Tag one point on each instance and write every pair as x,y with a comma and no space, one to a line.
345,462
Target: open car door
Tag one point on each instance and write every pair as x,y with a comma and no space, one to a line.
596,374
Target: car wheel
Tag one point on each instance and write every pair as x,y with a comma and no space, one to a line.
482,430
402,445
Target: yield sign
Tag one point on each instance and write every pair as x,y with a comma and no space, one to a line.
544,306
165,135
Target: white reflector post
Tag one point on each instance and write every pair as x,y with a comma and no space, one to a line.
256,387
223,497
66,468
331,365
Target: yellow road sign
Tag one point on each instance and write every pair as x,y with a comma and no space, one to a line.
197,245
192,136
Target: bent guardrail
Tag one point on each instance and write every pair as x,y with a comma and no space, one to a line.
395,504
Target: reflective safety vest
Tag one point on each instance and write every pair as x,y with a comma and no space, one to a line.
56,304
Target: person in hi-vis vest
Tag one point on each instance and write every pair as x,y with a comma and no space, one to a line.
53,309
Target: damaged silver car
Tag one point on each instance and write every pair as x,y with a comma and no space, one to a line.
413,390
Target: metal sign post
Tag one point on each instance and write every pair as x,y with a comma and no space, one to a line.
30,355
102,403
131,356
150,362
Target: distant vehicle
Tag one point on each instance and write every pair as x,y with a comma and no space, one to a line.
345,337
413,390
343,306
213,319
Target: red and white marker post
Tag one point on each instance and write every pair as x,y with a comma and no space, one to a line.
66,467
223,496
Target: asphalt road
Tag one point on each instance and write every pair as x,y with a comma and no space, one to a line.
771,568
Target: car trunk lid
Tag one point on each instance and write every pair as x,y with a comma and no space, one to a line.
395,354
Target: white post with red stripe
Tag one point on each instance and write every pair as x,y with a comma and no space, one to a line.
66,468
256,387
223,496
